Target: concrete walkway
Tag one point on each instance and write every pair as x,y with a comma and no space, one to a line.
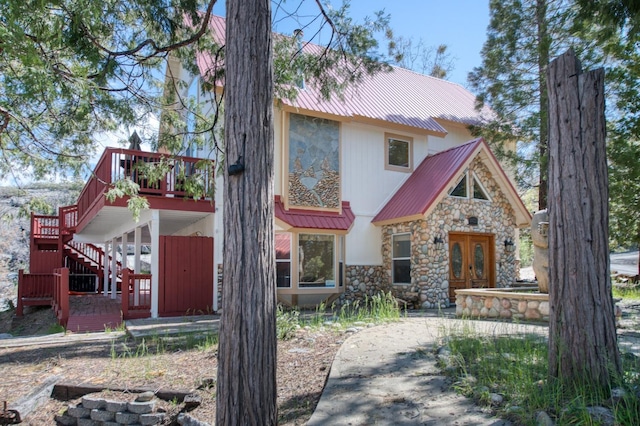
382,375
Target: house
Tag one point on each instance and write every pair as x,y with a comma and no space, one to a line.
383,190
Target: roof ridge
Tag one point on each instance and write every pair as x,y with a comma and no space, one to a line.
471,142
442,80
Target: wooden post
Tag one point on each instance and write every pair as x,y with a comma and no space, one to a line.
582,335
125,293
20,306
64,296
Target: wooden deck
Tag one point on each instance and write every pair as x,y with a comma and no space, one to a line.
93,312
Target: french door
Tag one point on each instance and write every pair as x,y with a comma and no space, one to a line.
471,263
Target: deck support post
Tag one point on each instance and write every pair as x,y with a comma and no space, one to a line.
137,242
154,227
114,268
105,265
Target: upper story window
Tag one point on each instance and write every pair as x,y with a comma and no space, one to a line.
398,152
314,162
475,191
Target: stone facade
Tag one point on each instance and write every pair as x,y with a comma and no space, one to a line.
219,295
362,281
430,265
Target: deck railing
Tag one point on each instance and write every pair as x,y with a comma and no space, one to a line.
136,295
156,174
34,290
60,302
44,226
68,219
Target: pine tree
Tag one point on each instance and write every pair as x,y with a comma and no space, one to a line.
522,37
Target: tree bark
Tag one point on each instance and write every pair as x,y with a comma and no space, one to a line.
582,335
246,387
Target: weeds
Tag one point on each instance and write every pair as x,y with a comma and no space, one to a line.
381,307
516,367
626,292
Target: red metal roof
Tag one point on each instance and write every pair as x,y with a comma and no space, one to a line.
314,219
427,182
400,96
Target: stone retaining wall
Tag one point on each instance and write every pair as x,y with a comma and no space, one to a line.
99,411
504,303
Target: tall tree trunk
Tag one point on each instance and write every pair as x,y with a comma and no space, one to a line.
582,334
544,42
246,387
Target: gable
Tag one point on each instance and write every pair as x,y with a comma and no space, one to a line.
438,175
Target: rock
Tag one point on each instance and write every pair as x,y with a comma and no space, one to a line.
496,399
602,416
187,420
298,351
543,419
207,383
192,401
65,420
145,396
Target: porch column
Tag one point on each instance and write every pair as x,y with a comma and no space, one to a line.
137,242
105,268
125,243
154,227
114,268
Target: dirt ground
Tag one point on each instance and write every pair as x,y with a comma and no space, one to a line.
175,364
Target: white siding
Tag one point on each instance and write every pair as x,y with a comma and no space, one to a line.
456,136
363,245
365,182
203,228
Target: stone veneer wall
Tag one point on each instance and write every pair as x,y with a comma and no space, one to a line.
219,295
482,303
362,281
430,266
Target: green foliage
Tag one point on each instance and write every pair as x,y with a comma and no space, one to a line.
516,368
70,70
626,292
287,322
127,187
521,39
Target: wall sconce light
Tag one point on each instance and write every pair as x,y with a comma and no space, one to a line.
438,242
237,167
509,246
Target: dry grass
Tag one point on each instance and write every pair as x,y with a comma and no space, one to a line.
183,364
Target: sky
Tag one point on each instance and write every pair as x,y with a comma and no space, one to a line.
460,24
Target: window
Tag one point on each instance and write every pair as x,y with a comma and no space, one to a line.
398,152
477,191
283,260
461,189
316,260
401,258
